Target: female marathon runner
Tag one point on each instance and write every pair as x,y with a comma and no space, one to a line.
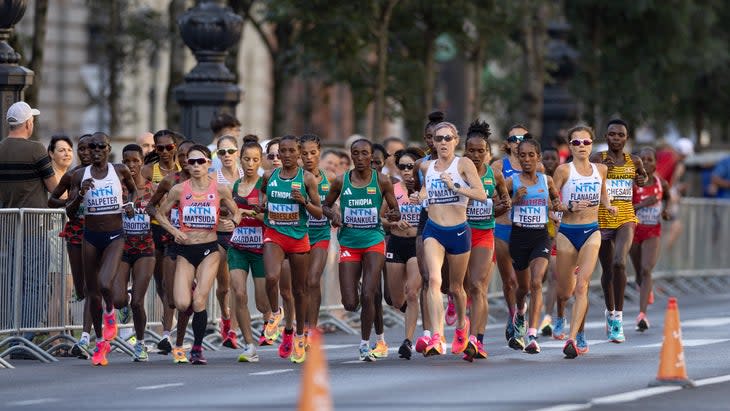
198,200
170,255
650,203
246,252
229,172
404,278
361,236
434,118
99,187
449,184
529,245
73,232
139,249
582,188
166,146
508,166
290,196
319,228
617,231
480,216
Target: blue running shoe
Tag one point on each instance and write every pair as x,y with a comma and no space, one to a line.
617,332
509,332
609,325
581,344
520,327
559,328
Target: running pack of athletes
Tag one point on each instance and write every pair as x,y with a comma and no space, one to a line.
440,207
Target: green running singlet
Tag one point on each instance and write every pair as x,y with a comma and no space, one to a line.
360,210
282,213
481,215
319,228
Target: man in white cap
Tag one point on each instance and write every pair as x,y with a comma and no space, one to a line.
26,177
27,174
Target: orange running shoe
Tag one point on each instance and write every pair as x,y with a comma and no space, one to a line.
300,353
271,331
99,357
435,346
380,350
481,352
110,330
461,339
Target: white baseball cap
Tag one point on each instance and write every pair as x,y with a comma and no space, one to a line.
20,112
684,146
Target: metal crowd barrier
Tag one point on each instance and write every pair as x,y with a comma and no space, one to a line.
35,286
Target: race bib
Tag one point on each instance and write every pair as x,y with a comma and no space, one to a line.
317,222
137,225
619,189
650,215
175,217
361,217
203,217
439,193
530,216
283,214
410,213
102,199
248,237
480,211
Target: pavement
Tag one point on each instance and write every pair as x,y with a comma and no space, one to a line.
609,377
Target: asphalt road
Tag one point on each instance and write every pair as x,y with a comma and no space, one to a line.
507,380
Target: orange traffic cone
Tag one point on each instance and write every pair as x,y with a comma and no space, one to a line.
672,369
315,393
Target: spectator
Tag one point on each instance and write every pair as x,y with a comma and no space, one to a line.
720,184
330,161
61,152
147,142
344,163
26,178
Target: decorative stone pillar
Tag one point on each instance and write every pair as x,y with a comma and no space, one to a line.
560,108
14,79
209,29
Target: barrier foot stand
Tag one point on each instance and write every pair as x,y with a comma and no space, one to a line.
122,346
5,364
23,345
47,346
327,318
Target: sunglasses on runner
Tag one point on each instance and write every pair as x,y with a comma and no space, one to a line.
446,138
585,142
272,156
164,147
224,151
199,161
100,146
514,139
406,166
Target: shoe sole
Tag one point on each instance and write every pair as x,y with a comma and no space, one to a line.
141,359
248,359
380,355
470,351
570,351
642,326
532,349
516,344
559,336
230,344
367,359
546,332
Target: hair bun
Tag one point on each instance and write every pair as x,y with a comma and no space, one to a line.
436,117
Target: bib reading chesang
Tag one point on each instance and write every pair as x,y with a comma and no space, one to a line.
248,237
619,189
480,211
361,217
137,225
650,215
283,214
198,216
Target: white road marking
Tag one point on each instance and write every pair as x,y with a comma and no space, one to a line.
561,344
352,362
689,343
707,322
271,372
32,402
156,387
337,346
633,395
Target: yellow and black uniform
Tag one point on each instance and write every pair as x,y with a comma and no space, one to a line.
619,187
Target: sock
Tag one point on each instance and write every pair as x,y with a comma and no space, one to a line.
85,336
300,336
166,334
380,337
197,348
200,320
480,338
364,343
427,333
618,315
140,341
532,331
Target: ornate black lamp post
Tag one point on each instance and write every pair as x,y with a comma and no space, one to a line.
209,29
14,79
560,108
